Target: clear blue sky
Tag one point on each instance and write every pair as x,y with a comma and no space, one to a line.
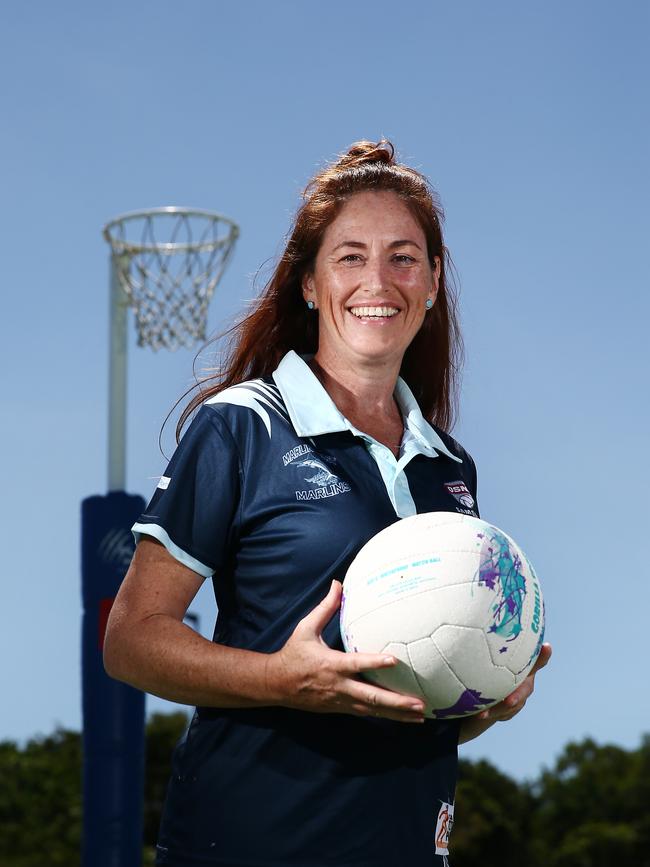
530,119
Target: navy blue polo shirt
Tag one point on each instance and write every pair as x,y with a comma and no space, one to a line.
271,493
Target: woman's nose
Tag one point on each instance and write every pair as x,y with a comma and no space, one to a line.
375,277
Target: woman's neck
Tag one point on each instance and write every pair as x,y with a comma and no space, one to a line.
365,398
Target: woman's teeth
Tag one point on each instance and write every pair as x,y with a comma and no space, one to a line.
373,311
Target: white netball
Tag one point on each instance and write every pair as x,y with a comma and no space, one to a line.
455,600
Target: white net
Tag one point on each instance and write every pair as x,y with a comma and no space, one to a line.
169,262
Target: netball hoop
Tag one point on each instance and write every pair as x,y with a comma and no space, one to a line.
168,262
165,265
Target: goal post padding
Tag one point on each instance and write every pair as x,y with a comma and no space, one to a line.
113,713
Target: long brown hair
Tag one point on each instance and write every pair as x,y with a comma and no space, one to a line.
280,320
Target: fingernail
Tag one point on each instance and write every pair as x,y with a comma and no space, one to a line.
389,660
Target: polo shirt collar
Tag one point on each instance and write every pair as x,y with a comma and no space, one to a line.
313,412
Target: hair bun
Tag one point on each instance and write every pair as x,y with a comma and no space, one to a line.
363,152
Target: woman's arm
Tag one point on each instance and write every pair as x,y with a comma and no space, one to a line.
148,645
474,726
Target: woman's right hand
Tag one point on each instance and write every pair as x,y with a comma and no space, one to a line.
308,675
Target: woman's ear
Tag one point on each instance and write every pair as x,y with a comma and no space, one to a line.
435,281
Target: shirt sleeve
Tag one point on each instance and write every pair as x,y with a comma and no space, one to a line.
193,509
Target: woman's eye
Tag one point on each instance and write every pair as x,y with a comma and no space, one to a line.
351,257
402,258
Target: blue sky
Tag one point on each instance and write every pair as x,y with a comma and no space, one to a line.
531,121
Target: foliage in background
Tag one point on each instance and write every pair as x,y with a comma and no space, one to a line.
40,801
592,809
492,818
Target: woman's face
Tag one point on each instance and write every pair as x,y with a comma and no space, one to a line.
370,282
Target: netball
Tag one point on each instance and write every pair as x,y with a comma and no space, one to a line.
455,600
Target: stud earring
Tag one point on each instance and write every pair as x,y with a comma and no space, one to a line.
310,305
428,303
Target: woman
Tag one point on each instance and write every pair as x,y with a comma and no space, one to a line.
290,465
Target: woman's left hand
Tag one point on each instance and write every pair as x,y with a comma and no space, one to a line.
513,703
473,726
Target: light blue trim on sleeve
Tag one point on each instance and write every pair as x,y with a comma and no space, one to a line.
140,530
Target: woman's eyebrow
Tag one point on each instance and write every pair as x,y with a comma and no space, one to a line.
349,244
403,243
391,246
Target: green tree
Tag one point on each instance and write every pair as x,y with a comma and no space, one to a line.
40,801
592,807
492,819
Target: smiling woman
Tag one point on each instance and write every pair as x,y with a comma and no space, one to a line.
327,424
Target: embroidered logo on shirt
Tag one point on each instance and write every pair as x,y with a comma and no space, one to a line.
321,474
460,493
315,472
443,828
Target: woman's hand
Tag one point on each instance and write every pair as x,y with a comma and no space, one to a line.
308,675
511,705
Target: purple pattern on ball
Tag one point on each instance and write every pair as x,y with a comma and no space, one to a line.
500,570
469,702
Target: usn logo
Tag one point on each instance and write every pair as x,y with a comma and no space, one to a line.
316,473
460,493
